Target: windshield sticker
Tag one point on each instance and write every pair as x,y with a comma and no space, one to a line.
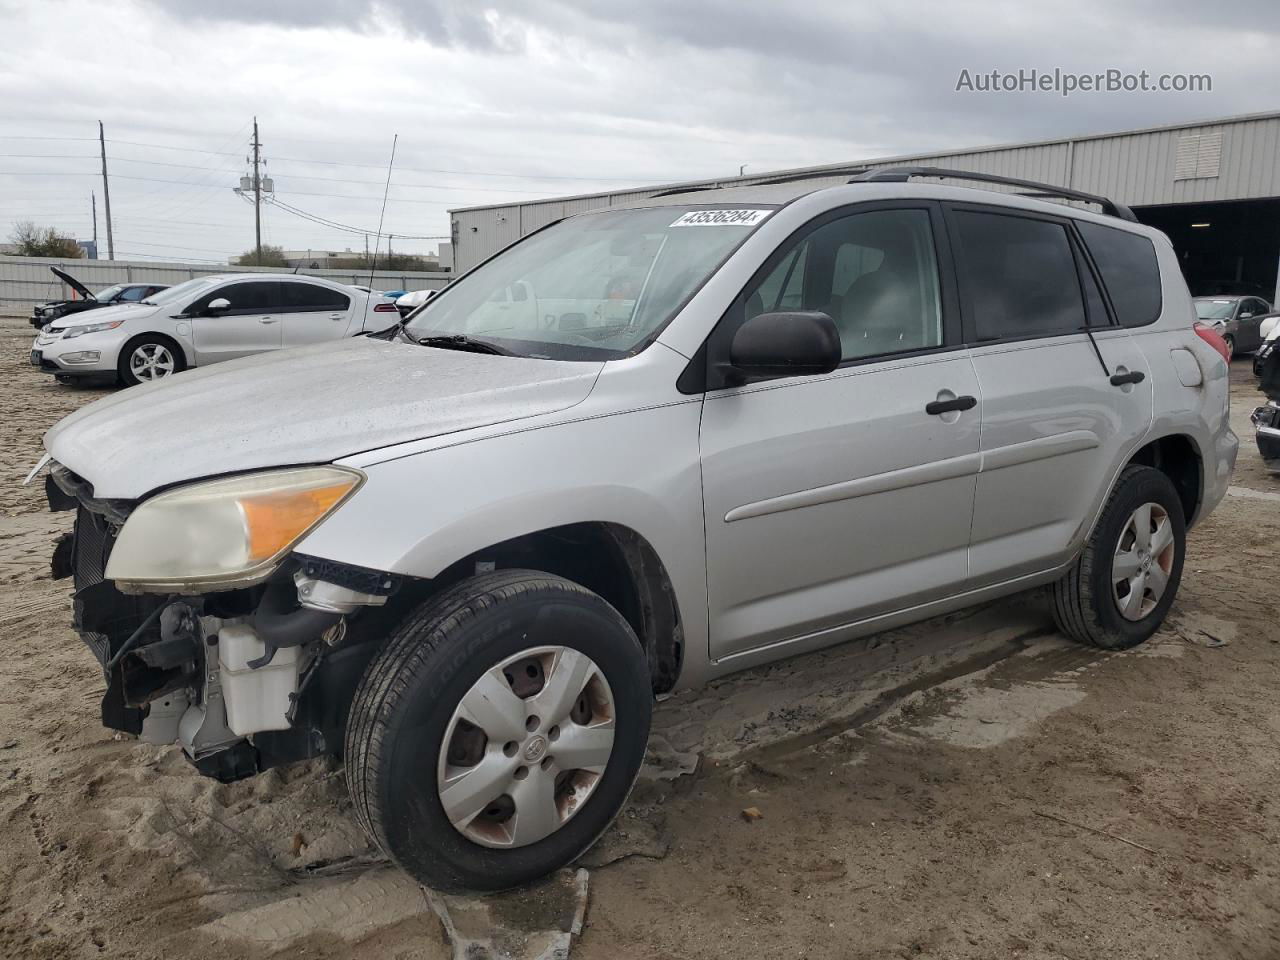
721,218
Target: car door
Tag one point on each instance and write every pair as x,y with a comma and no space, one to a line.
1054,426
313,313
830,499
251,324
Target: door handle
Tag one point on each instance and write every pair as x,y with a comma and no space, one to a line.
337,316
1129,376
266,319
936,407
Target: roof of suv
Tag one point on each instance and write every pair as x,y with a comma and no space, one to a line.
780,194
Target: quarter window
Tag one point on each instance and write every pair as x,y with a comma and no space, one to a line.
1128,266
1019,276
875,274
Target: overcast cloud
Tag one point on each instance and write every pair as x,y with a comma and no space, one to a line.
501,101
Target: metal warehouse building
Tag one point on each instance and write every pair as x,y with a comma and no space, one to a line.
1213,187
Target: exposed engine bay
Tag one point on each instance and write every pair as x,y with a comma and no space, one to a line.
242,679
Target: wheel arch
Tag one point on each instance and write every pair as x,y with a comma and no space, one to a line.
609,559
1177,456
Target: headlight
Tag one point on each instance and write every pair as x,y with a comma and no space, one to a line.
224,534
91,328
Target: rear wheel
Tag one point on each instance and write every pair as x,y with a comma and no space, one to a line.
149,357
1118,592
1230,341
499,732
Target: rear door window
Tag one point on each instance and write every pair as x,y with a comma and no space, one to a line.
301,297
1018,276
1127,262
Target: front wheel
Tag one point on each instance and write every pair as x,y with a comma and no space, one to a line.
499,732
148,358
1230,341
1120,588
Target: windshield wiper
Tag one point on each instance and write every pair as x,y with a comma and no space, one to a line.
460,341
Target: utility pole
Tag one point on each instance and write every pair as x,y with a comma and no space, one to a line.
93,200
106,193
257,193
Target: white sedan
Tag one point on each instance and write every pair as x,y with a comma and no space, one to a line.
203,321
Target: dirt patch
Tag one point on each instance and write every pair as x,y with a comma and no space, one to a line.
974,787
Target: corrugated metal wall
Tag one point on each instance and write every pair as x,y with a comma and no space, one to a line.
1136,168
26,281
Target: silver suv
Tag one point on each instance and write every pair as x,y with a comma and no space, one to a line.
640,448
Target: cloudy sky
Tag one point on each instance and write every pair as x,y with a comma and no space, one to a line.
502,101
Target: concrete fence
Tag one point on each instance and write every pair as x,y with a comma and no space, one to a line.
26,281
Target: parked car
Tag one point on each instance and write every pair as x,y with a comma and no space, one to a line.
1270,330
639,449
407,303
114,295
204,321
1240,318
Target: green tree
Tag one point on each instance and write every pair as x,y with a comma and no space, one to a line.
34,241
271,257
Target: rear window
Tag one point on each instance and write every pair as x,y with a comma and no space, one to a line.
1127,263
1019,276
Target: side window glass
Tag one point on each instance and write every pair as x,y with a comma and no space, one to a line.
132,294
312,296
1127,262
1018,275
258,296
875,274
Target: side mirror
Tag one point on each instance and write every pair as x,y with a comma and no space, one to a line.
786,345
217,306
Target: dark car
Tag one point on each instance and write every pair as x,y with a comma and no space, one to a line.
110,297
1239,317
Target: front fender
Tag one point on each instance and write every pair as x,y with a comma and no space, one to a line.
419,514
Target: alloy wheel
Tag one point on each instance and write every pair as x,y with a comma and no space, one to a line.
526,747
1143,561
151,361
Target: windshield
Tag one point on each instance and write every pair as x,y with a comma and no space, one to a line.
1214,309
594,286
182,291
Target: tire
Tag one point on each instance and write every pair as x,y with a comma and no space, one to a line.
411,697
1230,341
1088,604
154,346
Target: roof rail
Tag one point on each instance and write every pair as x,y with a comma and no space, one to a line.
810,175
903,174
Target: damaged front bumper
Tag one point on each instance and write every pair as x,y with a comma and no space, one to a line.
242,679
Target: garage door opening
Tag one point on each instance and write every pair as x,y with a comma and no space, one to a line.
1231,247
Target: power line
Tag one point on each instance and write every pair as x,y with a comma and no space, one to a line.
346,227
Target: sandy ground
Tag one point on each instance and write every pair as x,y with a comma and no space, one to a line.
973,787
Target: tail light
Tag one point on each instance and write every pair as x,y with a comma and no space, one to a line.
1213,339
385,308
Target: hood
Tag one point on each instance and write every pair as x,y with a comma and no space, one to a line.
74,284
103,313
312,405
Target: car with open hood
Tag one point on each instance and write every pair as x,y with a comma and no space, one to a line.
114,295
204,321
643,447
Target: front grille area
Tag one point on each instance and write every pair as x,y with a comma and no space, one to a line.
104,617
